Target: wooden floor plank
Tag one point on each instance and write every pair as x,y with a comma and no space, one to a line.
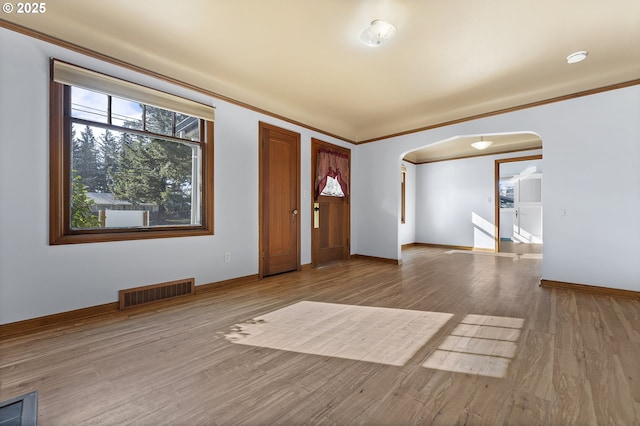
571,358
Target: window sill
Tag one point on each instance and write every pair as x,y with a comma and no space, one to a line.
139,234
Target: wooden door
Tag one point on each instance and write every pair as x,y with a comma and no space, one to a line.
330,214
279,200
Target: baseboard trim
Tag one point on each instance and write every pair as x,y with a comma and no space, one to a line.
77,316
593,289
451,247
404,246
205,288
377,259
33,325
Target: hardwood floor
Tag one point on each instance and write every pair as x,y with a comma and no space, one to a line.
520,248
575,358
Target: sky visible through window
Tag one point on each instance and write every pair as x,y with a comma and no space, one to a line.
93,106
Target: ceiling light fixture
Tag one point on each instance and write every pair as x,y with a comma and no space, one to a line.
576,57
482,144
377,33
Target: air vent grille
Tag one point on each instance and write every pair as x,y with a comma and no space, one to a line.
157,292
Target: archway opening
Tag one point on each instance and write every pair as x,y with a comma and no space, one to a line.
449,192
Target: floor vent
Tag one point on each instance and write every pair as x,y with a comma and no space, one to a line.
153,293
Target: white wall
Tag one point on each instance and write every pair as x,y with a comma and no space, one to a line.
591,154
591,150
37,279
407,230
455,201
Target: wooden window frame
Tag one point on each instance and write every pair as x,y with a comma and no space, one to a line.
60,231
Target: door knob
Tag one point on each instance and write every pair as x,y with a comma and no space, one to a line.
295,211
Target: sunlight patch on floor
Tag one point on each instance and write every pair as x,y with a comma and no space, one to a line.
480,344
365,333
515,256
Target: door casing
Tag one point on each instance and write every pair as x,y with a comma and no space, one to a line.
496,196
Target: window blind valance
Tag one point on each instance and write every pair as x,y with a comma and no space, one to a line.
72,75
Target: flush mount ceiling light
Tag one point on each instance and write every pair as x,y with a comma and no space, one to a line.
377,33
482,144
576,57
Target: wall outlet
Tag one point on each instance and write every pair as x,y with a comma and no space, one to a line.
227,257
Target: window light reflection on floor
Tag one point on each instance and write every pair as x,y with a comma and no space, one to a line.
365,333
515,256
481,345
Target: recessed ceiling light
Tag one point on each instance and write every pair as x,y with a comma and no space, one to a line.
576,57
378,32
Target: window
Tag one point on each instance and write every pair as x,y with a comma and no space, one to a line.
506,189
332,170
332,188
127,162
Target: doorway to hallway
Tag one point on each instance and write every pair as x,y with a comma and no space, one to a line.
519,205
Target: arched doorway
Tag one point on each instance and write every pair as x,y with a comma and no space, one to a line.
454,190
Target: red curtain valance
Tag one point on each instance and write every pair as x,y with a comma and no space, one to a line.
332,164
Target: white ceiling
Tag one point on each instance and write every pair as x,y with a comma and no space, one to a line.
302,59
